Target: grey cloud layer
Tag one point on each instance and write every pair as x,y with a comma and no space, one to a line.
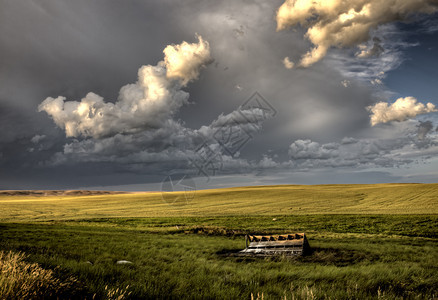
416,141
72,47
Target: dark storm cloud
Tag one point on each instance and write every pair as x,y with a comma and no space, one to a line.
71,48
310,103
66,48
172,145
51,48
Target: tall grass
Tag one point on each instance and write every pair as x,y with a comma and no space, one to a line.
115,293
22,280
395,260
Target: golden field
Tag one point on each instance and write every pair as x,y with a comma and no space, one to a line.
257,200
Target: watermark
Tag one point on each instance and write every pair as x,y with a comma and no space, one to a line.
257,102
207,161
229,138
232,137
184,185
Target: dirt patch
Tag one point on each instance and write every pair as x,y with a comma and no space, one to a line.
338,257
323,256
213,230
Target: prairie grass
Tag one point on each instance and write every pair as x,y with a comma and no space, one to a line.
396,259
116,293
22,280
368,241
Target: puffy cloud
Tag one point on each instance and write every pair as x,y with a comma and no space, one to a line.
146,104
288,63
368,153
307,149
174,146
267,162
139,129
170,143
184,61
401,110
400,144
340,23
309,154
249,120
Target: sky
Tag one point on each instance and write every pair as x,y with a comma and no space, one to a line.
123,95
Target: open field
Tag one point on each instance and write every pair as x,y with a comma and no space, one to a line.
377,241
263,200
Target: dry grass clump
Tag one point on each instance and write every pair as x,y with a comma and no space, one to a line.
22,280
116,293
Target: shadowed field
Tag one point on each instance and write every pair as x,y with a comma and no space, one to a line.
263,200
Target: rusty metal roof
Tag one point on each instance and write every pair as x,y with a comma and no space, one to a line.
289,244
283,237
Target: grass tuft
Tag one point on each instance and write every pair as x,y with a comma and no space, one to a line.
117,293
22,280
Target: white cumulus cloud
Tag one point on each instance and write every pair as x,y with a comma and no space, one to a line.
183,61
340,23
146,104
401,110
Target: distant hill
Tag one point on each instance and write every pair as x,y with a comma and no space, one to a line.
55,193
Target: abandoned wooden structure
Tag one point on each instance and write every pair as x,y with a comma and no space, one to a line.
285,244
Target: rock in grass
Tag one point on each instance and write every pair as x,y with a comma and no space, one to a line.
123,262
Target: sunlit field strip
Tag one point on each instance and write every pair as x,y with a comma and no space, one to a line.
266,200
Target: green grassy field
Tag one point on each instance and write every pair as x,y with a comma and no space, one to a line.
368,241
